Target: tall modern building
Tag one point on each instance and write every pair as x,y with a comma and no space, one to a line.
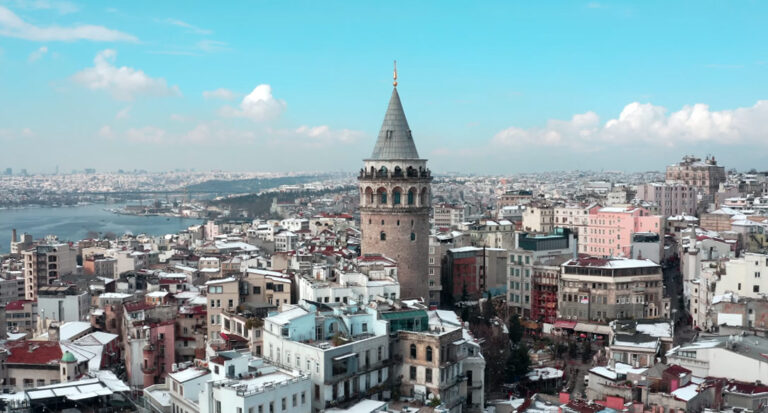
395,201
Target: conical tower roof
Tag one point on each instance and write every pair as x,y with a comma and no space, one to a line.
395,140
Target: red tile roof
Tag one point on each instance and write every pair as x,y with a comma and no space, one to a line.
17,305
34,352
677,370
138,306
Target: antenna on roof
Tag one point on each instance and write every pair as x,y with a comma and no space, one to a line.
395,75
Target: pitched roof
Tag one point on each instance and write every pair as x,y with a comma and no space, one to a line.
395,140
34,352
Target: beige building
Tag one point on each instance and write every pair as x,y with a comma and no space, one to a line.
223,295
266,291
597,289
448,216
705,176
45,264
573,217
539,218
439,363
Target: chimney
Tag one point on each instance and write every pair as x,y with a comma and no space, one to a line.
13,235
575,249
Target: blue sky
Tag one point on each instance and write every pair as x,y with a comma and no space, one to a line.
497,87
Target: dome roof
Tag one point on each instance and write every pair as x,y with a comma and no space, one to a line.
68,358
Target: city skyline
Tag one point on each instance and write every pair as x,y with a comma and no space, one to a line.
578,85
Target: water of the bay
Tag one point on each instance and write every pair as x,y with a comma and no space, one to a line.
74,223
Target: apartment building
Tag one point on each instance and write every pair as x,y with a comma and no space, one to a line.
447,215
45,264
610,229
672,199
437,360
597,289
746,276
532,254
704,176
223,295
345,350
539,218
439,244
574,217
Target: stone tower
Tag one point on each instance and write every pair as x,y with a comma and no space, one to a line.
395,201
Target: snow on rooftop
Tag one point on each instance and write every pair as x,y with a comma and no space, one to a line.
686,393
185,375
660,330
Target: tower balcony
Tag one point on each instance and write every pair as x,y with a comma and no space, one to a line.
409,174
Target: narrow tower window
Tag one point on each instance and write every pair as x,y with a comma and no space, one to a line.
411,196
413,236
383,236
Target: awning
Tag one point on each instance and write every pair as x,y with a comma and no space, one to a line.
530,324
565,324
593,328
346,356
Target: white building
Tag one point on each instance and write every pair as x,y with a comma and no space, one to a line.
733,357
286,241
240,383
746,276
351,287
344,350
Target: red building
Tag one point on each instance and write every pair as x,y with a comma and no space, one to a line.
544,293
461,274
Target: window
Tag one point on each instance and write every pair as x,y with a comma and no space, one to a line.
257,290
413,372
411,197
413,351
294,401
303,397
757,274
365,327
383,236
317,392
396,197
429,375
755,288
413,236
429,354
383,199
379,359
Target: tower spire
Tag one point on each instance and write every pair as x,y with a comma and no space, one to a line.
395,75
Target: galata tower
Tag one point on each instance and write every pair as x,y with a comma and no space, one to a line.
395,201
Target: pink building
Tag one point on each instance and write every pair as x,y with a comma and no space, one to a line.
609,231
672,199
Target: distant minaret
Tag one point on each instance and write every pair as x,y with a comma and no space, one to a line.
395,201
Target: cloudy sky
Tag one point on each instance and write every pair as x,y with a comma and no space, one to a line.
497,88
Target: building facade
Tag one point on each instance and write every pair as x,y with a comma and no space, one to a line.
595,289
705,176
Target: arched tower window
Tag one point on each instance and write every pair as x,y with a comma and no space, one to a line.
413,236
423,198
398,173
413,351
370,199
383,236
396,196
411,196
382,196
429,353
383,172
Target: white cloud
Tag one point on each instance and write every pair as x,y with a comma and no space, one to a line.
189,27
37,54
124,113
123,83
63,7
12,25
220,93
27,132
148,134
259,105
106,132
212,46
645,123
324,134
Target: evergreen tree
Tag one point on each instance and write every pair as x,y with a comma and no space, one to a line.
515,329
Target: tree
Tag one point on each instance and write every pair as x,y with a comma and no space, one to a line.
489,312
518,363
586,351
515,329
573,350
